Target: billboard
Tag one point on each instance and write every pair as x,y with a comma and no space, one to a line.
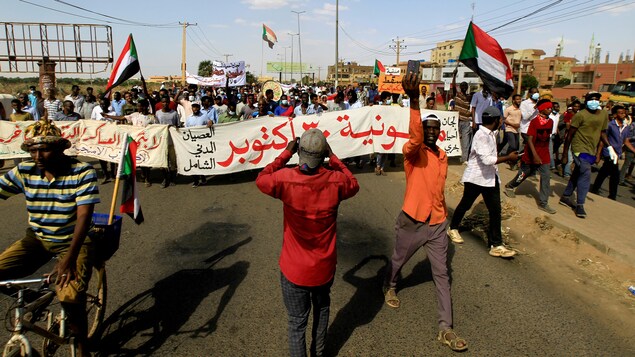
275,67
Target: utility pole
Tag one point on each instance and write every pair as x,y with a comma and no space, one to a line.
285,61
227,57
292,34
337,30
397,47
185,24
319,73
299,43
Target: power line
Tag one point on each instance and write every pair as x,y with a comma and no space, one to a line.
202,42
82,16
211,45
117,18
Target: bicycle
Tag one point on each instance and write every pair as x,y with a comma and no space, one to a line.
105,238
26,315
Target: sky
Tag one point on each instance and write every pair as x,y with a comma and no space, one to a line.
367,28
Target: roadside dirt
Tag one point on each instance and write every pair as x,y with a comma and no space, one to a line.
597,280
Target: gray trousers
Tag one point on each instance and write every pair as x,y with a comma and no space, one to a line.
465,134
298,301
412,235
527,170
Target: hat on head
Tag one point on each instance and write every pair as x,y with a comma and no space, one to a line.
311,149
430,117
593,94
44,132
491,112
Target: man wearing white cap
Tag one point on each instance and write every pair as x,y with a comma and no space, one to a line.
311,195
422,220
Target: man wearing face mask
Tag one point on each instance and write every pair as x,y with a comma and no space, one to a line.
284,109
588,127
529,112
618,134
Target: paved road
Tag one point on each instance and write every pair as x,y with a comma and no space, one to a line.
200,278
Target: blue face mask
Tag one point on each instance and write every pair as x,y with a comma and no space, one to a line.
535,96
593,104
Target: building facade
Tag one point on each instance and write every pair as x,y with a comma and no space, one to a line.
351,73
446,51
550,70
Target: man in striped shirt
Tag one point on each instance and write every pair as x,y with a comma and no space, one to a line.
61,193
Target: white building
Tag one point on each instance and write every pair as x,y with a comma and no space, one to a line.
444,74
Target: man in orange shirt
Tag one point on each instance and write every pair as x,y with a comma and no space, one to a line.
422,221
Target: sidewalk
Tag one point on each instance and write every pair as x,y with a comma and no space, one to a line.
608,226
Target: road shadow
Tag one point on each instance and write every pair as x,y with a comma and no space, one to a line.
362,307
142,325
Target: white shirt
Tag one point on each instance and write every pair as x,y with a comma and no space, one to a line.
97,114
481,168
356,105
480,103
556,119
528,112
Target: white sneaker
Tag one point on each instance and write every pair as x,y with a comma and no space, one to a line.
455,236
501,251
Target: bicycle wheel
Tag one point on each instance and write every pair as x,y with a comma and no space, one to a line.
50,348
96,301
18,345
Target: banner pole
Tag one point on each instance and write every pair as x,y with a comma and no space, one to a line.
113,203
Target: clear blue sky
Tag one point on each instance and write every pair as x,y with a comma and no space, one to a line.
368,27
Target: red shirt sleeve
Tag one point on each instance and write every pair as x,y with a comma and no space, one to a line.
350,186
266,180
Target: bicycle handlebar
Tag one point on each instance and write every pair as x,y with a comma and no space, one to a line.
24,281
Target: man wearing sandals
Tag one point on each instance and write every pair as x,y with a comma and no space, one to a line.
61,194
422,221
311,195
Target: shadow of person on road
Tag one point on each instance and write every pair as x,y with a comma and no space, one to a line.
363,306
143,324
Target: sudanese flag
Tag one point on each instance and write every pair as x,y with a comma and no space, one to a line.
127,171
127,65
482,54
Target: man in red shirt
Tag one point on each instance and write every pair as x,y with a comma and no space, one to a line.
537,156
311,195
422,220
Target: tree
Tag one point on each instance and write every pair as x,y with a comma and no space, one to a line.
250,78
205,68
529,81
562,82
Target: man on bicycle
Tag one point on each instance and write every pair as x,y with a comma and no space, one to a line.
61,193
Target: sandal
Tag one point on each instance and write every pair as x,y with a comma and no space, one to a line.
456,344
391,299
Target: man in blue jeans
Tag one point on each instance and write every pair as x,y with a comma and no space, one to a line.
588,127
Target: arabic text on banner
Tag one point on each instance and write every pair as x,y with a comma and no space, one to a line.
252,144
94,138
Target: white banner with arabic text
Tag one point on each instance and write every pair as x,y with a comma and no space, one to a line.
253,144
94,138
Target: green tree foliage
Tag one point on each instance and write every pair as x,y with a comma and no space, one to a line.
205,68
562,82
529,82
251,78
